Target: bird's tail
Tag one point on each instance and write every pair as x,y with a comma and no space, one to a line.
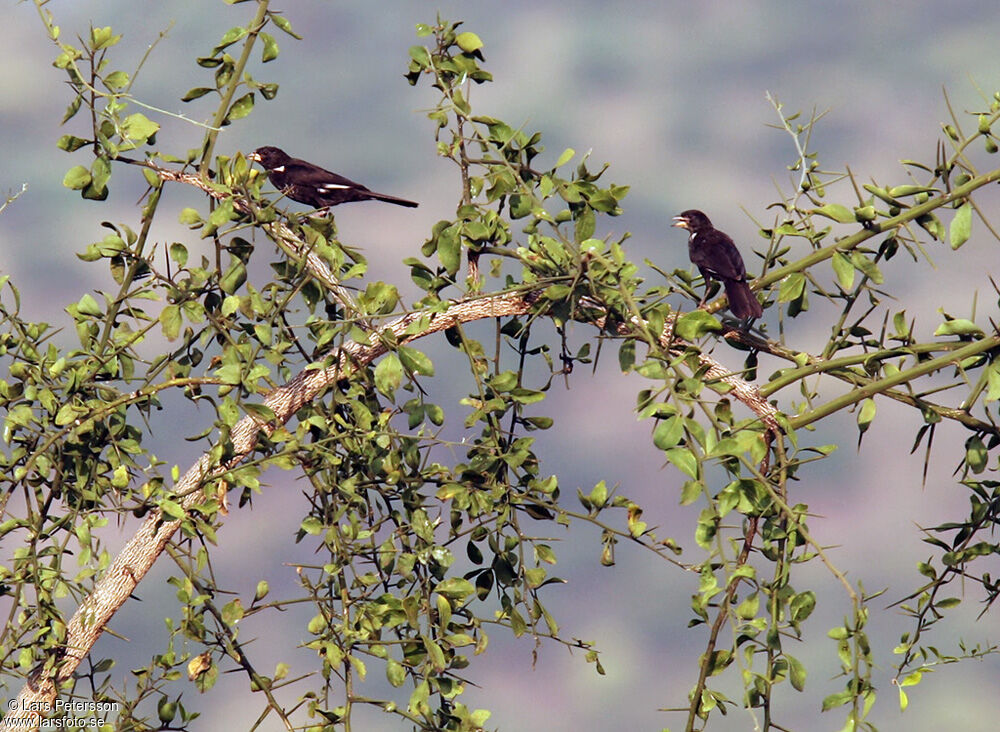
392,199
742,302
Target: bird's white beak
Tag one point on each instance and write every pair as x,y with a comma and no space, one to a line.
680,221
253,157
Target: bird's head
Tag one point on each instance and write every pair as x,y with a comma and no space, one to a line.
692,220
269,157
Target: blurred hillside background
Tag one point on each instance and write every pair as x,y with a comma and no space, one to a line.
672,94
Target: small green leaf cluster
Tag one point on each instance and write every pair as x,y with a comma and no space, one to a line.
115,129
502,184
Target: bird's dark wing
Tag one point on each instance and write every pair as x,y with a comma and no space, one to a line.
318,187
307,174
715,253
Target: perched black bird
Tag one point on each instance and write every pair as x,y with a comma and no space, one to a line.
313,185
717,257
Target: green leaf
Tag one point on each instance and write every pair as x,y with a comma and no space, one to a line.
912,679
456,588
526,396
261,412
684,460
802,605
170,321
100,174
976,454
993,382
449,248
233,612
866,414
748,609
87,305
68,413
415,362
844,270
116,80
179,253
283,23
566,156
77,178
395,672
792,287
959,327
881,194
418,703
468,42
421,55
865,214
520,205
932,225
691,326
241,107
312,526
586,225
388,374
837,700
479,717
557,292
101,38
234,277
138,128
796,673
190,217
172,509
626,356
668,433
69,143
909,190
837,212
691,491
476,231
961,225
196,93
223,214
229,38
599,495
230,305
504,381
867,267
270,51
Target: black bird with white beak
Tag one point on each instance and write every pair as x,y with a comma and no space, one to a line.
717,257
313,185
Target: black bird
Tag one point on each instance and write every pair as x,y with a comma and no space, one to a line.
717,257
313,185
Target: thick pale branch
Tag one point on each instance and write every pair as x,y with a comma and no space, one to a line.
139,554
738,387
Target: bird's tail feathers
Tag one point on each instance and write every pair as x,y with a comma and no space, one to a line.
742,302
392,199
